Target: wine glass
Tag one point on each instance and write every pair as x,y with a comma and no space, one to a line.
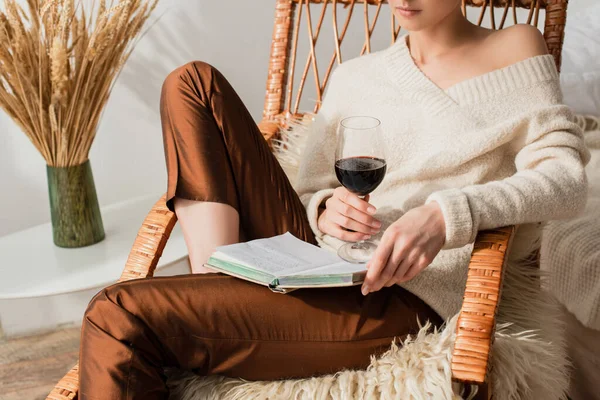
360,167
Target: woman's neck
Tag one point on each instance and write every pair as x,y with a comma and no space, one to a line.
450,33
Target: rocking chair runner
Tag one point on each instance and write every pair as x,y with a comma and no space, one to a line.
476,324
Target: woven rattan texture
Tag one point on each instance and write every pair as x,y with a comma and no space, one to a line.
476,321
67,387
283,93
150,242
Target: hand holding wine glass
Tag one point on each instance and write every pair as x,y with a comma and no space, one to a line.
348,217
360,167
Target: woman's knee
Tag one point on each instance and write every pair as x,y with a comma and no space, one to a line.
104,302
191,74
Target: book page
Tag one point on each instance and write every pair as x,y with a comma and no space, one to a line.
341,267
285,255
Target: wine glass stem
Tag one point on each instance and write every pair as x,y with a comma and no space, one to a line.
359,245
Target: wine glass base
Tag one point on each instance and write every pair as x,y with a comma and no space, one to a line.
357,252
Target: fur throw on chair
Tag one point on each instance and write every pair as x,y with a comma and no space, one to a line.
528,362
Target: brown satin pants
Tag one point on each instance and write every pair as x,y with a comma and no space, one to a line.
213,323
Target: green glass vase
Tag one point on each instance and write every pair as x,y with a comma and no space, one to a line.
76,219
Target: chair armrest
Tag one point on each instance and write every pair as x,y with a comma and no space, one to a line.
269,129
141,263
477,319
67,387
150,242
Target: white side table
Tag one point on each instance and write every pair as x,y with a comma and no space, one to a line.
43,286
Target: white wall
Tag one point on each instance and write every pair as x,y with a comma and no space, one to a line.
127,156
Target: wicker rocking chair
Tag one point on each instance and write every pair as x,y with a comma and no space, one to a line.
476,323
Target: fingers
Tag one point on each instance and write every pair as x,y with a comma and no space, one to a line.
399,271
347,236
353,200
335,230
407,247
420,264
349,211
387,274
349,223
408,265
377,264
348,217
396,267
395,261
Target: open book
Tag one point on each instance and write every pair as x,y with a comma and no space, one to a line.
284,263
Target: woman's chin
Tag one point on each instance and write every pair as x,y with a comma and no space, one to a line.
412,24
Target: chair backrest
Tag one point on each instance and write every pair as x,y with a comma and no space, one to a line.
291,66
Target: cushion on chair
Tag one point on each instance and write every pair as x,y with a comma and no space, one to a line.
529,360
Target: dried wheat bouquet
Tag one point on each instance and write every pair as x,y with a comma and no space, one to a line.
58,63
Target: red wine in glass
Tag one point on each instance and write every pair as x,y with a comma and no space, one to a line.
360,167
360,175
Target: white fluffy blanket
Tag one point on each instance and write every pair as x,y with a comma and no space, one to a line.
528,361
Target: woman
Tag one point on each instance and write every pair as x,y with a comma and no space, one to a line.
477,139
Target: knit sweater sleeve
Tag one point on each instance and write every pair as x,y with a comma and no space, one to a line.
316,179
549,183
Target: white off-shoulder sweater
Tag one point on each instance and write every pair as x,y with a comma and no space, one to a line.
495,150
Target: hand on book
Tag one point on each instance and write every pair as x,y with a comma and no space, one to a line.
407,247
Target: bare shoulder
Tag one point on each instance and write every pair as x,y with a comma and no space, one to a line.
516,43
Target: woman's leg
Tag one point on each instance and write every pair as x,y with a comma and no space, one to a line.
216,324
217,157
206,225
